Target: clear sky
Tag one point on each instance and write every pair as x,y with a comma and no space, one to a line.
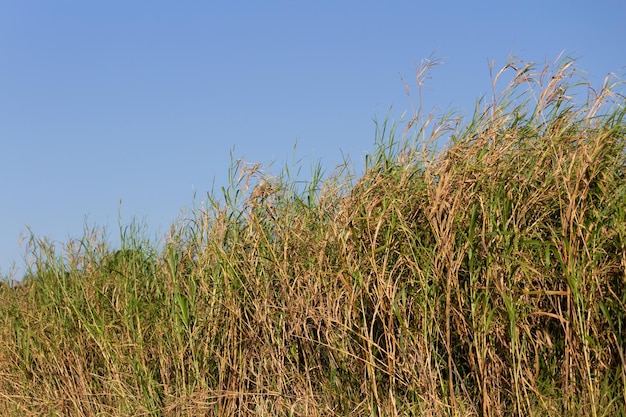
143,101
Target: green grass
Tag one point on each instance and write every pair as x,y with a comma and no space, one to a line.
486,278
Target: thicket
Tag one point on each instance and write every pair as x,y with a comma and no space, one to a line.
485,277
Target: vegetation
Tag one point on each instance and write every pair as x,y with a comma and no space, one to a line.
484,278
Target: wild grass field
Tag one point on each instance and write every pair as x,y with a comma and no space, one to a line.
486,277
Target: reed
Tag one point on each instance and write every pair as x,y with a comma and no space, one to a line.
486,277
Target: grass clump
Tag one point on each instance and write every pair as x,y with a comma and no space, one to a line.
487,278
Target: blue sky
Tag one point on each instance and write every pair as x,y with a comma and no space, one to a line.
143,101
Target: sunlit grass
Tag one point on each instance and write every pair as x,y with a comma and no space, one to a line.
487,278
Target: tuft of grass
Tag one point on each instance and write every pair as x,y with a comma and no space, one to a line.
483,277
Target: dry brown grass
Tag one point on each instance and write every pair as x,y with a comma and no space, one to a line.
487,279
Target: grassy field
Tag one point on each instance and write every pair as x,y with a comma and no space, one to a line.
484,278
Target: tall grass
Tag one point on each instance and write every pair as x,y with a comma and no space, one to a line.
487,278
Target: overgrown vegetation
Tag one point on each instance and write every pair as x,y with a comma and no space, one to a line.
484,279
